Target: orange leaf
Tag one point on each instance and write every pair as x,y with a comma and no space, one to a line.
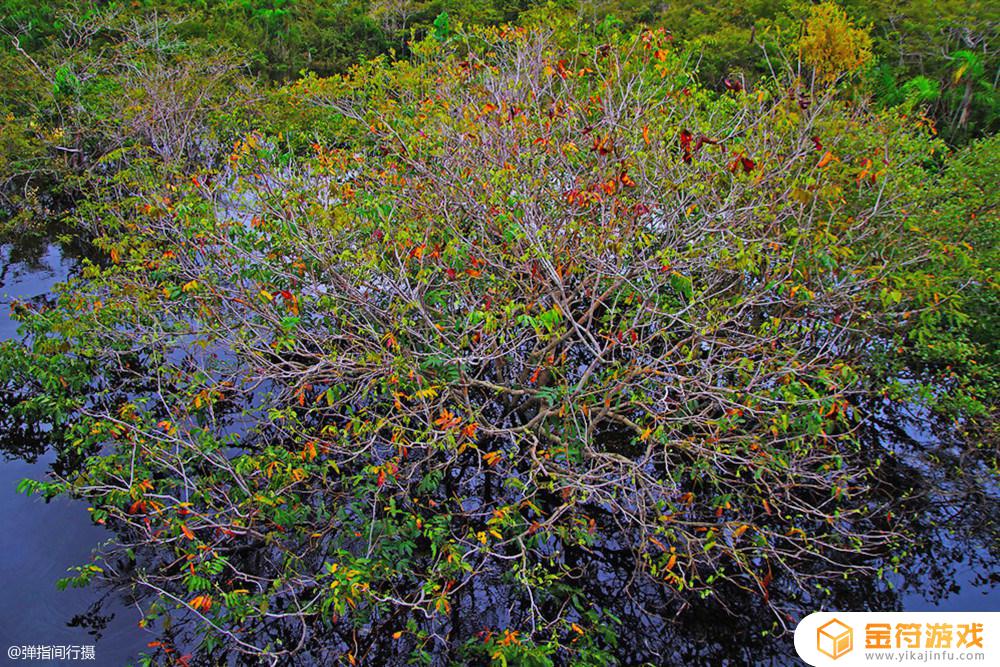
201,603
310,450
447,420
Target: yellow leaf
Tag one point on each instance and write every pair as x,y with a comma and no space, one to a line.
429,392
959,72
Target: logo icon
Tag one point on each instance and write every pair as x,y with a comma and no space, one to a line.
834,639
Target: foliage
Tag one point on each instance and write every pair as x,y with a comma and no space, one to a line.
405,337
955,304
532,314
831,44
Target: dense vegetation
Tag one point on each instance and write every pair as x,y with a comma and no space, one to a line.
415,359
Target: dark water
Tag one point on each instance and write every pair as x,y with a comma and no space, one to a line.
955,571
960,571
41,540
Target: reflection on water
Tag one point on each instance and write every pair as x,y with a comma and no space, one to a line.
956,568
41,540
949,501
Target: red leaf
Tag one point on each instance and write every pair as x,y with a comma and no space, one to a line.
686,138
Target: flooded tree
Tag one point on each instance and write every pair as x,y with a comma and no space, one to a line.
540,345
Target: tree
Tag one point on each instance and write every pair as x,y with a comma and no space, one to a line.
538,315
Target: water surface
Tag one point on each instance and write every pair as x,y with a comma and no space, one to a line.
42,539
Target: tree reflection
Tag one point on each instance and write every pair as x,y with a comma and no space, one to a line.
948,514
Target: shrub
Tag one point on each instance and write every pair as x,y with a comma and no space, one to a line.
530,320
